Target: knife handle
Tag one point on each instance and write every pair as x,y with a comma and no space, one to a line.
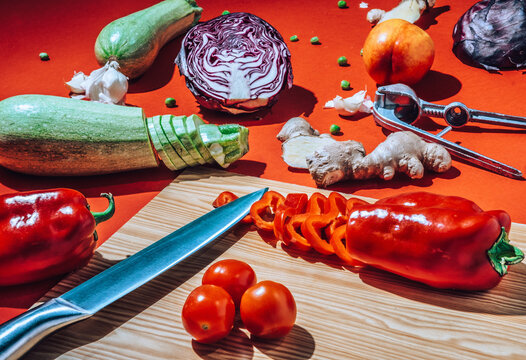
21,333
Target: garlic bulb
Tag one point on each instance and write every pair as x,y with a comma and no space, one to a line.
106,85
359,102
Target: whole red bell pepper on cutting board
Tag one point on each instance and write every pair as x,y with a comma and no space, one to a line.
46,233
442,241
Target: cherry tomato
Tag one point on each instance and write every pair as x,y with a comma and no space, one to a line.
232,275
268,310
208,313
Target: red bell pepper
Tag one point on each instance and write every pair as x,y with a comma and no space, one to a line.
336,232
224,198
338,241
442,241
335,214
293,230
295,203
46,233
263,211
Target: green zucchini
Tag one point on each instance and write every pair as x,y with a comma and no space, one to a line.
57,136
175,142
191,123
226,143
51,135
178,122
135,40
169,156
178,127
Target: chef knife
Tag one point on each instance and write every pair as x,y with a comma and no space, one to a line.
21,333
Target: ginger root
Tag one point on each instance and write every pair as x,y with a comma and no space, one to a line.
330,161
296,127
409,10
296,149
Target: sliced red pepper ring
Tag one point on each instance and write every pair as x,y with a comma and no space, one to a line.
317,204
339,221
339,244
263,211
224,198
337,205
280,221
312,229
291,229
294,203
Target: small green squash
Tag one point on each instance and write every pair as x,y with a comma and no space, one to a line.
135,40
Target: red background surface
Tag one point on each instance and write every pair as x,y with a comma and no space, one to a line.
67,30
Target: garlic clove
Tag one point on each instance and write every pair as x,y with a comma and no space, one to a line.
359,102
115,84
105,85
76,84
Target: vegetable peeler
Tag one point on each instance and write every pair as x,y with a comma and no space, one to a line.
397,108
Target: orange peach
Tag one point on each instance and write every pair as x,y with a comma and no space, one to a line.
396,51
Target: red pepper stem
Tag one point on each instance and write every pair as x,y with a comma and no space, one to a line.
502,254
106,214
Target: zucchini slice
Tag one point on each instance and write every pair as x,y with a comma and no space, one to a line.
226,143
177,123
174,141
160,145
191,124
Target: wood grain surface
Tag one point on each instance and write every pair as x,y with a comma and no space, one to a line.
343,313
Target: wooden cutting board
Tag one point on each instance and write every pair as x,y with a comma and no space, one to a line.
343,313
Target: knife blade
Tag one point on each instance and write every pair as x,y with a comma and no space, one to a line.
21,333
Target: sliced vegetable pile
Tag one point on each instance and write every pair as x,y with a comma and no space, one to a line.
267,308
298,220
236,63
183,141
50,135
46,233
442,241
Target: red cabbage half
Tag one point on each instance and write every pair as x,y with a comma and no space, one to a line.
492,35
236,63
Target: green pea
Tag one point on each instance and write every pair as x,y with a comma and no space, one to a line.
342,4
226,12
342,61
294,38
43,56
314,40
345,85
169,102
334,129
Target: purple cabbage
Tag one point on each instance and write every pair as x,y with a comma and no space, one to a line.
492,35
236,63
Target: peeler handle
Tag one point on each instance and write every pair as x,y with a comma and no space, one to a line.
20,334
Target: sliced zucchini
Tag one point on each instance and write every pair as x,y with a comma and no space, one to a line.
177,128
226,143
184,135
191,124
176,144
153,137
173,161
